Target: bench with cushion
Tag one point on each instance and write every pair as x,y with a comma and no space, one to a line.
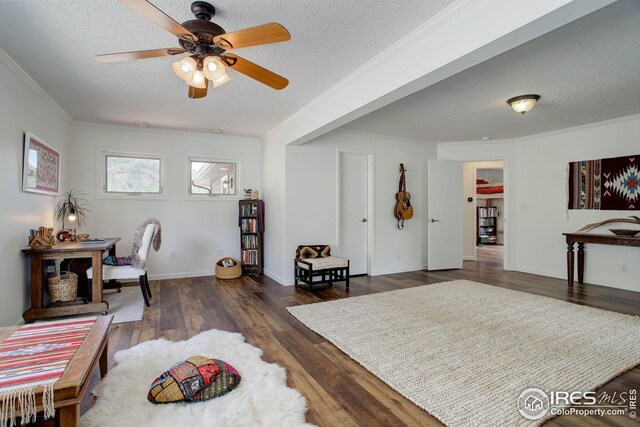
314,265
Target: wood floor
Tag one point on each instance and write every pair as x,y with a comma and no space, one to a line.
491,255
339,392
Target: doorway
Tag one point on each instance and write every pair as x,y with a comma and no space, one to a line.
485,212
355,210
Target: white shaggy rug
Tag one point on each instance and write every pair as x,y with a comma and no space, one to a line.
464,351
127,305
261,399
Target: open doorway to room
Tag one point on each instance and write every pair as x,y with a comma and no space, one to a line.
484,216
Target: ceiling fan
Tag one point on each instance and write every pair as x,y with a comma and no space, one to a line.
208,45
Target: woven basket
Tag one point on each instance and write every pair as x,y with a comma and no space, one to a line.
232,272
63,286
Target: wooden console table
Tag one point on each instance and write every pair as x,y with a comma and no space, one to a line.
64,250
581,239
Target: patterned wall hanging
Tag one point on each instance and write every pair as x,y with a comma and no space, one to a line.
605,184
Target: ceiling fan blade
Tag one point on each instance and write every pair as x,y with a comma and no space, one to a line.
195,93
255,71
254,36
138,54
157,16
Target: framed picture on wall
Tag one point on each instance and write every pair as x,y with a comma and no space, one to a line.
41,168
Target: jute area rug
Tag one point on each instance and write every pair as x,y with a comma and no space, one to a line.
464,351
261,399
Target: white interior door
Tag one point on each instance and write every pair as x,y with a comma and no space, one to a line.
444,190
353,211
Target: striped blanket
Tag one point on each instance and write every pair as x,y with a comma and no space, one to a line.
36,356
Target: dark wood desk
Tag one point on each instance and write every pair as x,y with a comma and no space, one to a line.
581,239
64,250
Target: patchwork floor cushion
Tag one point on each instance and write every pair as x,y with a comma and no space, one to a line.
183,380
228,379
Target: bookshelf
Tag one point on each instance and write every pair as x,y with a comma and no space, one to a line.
487,225
251,240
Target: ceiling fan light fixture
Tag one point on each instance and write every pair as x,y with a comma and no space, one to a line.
523,103
222,80
213,68
185,68
199,80
207,44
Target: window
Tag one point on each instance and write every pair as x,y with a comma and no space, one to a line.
131,174
212,177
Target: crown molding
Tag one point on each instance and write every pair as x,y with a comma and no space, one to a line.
223,137
33,85
578,128
535,136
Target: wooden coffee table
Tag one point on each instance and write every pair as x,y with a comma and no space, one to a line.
71,387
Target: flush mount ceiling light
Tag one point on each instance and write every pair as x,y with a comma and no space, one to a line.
523,103
207,44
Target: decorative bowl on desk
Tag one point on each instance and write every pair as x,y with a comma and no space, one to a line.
624,232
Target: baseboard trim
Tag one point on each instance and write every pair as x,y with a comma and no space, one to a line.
538,272
469,258
281,280
588,280
185,275
396,270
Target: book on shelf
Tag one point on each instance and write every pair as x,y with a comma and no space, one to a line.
249,225
249,256
249,209
487,212
250,241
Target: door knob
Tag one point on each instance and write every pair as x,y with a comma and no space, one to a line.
435,220
363,220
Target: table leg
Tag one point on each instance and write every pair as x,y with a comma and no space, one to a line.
96,288
70,415
580,263
570,263
37,280
113,284
104,359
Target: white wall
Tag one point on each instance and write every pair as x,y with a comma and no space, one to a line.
195,229
537,175
273,183
23,109
311,199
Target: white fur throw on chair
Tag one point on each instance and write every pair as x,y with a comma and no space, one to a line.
136,261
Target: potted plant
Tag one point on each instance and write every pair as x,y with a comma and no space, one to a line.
71,208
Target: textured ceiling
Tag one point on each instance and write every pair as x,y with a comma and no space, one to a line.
55,41
586,72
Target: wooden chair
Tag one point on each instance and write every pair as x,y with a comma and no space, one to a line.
127,272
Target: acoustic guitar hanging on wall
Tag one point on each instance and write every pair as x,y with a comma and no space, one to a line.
403,209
